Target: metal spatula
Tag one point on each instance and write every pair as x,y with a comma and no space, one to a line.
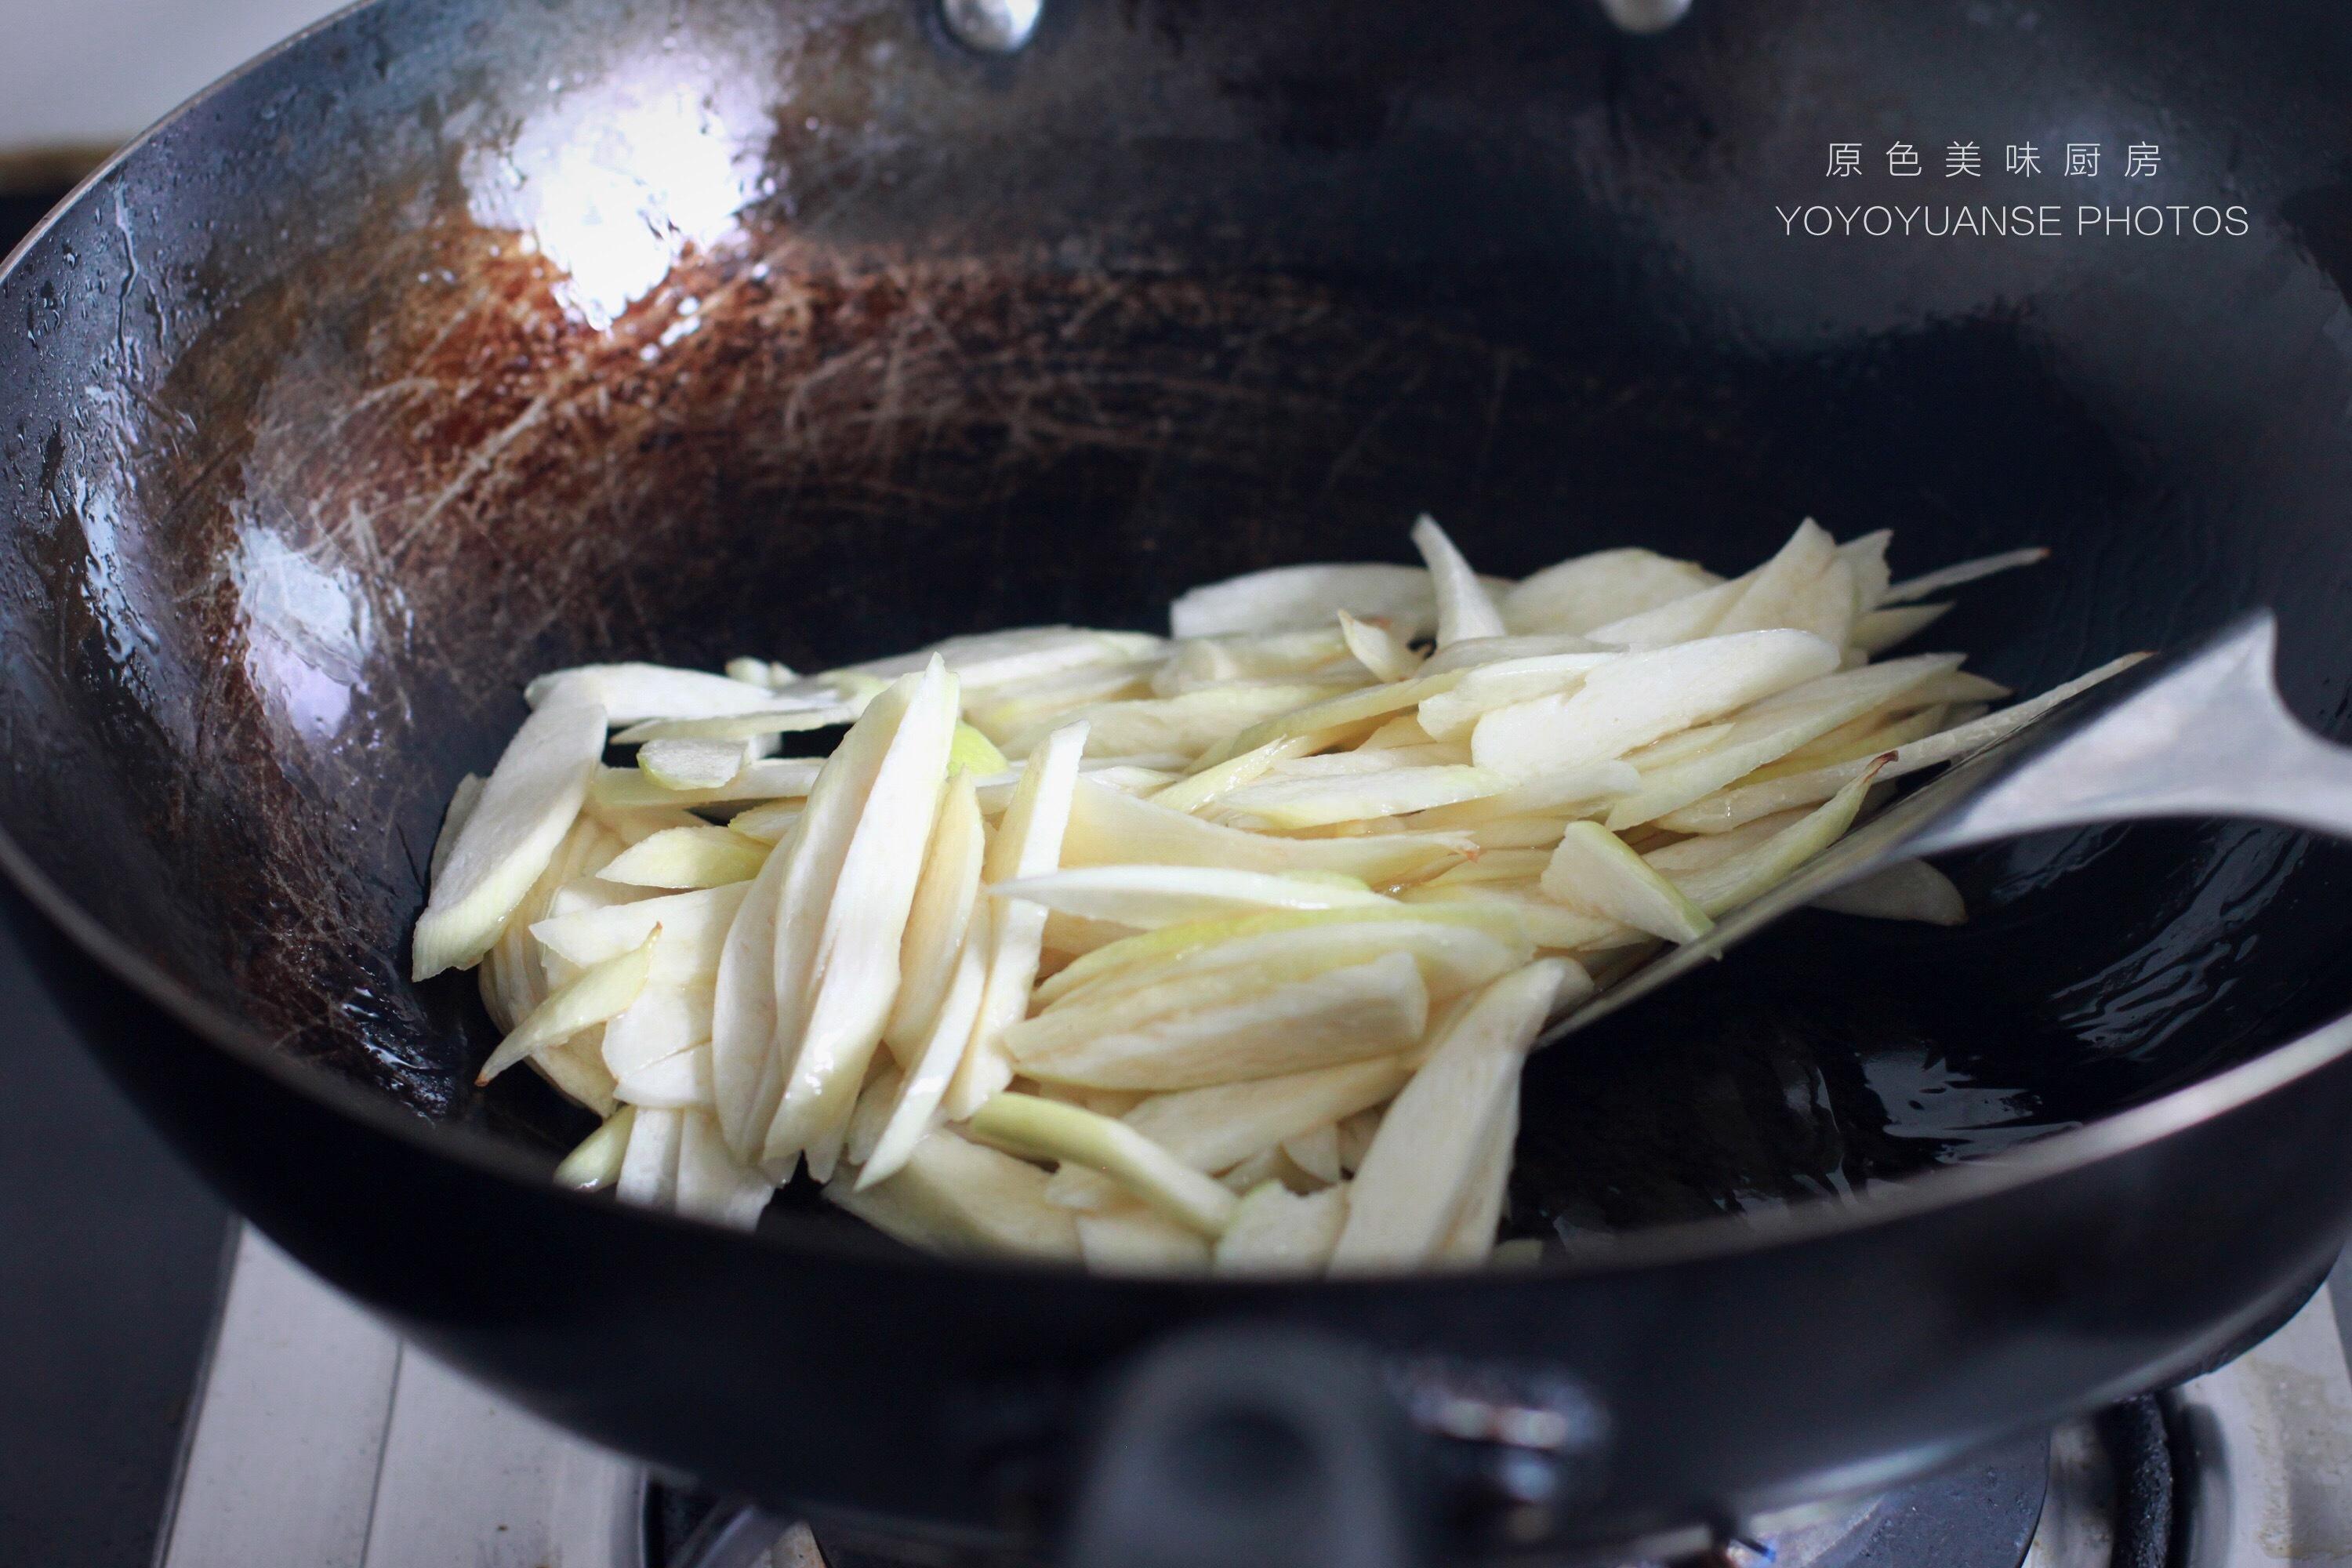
2198,733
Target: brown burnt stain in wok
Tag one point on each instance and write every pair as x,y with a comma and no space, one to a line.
293,586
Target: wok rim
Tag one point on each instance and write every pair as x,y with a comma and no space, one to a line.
2049,1158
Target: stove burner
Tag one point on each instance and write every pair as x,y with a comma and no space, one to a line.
2098,1494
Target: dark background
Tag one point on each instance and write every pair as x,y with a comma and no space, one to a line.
109,1261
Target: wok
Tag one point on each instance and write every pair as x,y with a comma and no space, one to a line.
457,340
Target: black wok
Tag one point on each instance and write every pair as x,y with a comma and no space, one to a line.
457,340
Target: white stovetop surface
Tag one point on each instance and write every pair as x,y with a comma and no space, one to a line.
94,73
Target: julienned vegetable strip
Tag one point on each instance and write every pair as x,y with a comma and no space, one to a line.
1217,950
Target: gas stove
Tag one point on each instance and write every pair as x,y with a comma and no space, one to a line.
321,1438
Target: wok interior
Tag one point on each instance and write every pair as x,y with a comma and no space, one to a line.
931,347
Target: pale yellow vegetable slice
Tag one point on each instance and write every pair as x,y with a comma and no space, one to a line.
1316,1152
513,972
1694,615
768,778
633,825
688,858
595,1164
1568,792
712,1184
1782,584
955,1195
743,1003
678,1082
1745,803
1108,828
663,1021
1880,630
1198,662
1371,702
1217,1127
854,973
815,713
576,1071
462,801
1771,729
880,1097
945,897
1278,1231
1525,866
975,753
1046,1129
1028,843
1548,923
988,662
1464,608
1291,803
1343,1015
1864,737
630,693
1952,576
649,1166
1186,725
768,822
602,990
527,806
1722,887
1457,951
1355,1136
1906,890
1017,717
1827,606
1589,591
1703,850
1200,789
1381,651
1287,597
1634,700
1148,898
1133,1240
1593,872
1470,1235
694,927
1487,686
1410,1191
933,1065
1865,556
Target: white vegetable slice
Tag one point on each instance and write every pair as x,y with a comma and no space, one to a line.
1293,803
1132,1239
987,662
1865,557
1017,717
577,1073
1952,576
933,1066
676,1082
596,1165
955,1195
1151,897
630,693
1722,887
1699,853
1548,922
1470,1235
1049,1129
743,1003
1882,629
1906,890
1473,653
527,806
1692,616
693,925
649,1167
1210,785
1745,803
854,973
1317,1153
1633,700
768,822
770,778
663,1021
1277,1231
1590,591
1827,606
688,859
813,713
1771,729
1182,726
1464,608
1215,1128
1385,655
1411,1188
1594,872
602,990
940,918
1306,596
1342,1014
513,972
1341,712
712,1184
633,825
462,801
1195,662
1028,843
1568,792
1355,1136
1781,587
1488,687
1108,828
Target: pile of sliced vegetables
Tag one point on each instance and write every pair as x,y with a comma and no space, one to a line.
1221,950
